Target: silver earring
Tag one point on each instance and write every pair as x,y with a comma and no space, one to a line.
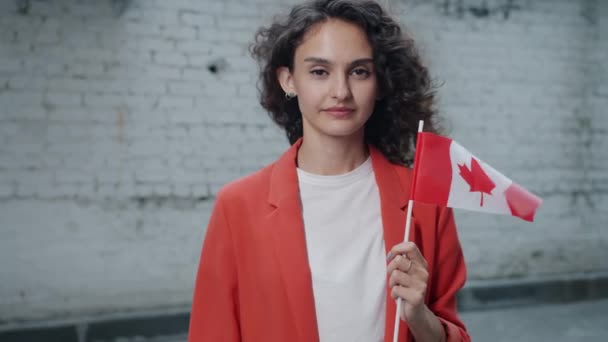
289,96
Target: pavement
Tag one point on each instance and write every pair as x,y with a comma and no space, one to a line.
582,321
572,322
577,322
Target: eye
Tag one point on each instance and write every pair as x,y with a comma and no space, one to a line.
318,72
361,72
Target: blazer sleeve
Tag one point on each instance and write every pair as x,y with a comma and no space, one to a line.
215,311
450,276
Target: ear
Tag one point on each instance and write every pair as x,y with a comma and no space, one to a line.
286,80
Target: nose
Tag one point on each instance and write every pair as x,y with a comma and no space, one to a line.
341,88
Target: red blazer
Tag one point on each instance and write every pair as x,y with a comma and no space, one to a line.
254,281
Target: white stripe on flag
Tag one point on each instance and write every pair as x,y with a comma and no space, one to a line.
460,194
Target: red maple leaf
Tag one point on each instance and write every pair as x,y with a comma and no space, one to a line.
477,179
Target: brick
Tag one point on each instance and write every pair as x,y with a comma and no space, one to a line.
228,49
166,58
181,190
206,37
163,72
104,100
220,90
200,190
185,88
7,190
87,70
188,117
71,176
10,65
148,175
194,46
181,33
158,17
82,39
173,102
47,67
64,99
196,74
44,37
142,29
155,43
250,23
197,19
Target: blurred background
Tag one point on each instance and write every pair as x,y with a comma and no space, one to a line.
121,119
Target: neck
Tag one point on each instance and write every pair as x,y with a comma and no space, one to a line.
332,156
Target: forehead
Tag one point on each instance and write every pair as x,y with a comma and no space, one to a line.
335,40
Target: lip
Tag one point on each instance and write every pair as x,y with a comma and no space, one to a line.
338,111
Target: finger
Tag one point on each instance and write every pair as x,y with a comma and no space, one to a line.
408,248
406,265
402,264
416,255
397,249
419,273
404,247
410,295
399,278
397,263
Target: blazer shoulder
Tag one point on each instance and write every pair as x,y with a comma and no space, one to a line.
404,174
403,171
251,186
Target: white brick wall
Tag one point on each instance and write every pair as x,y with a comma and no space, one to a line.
518,93
115,138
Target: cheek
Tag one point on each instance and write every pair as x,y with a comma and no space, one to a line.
311,95
367,94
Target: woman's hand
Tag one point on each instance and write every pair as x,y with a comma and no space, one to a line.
408,280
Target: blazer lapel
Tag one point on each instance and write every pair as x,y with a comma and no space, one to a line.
394,195
290,244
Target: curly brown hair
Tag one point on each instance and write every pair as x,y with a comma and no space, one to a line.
406,90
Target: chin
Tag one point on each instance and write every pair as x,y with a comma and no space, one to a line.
342,130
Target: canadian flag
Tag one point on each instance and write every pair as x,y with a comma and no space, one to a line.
447,174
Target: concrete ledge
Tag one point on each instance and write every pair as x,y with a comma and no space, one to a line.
493,294
138,326
142,325
42,334
477,295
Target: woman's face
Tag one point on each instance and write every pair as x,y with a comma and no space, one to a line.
334,79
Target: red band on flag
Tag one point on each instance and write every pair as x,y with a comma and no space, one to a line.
521,202
432,169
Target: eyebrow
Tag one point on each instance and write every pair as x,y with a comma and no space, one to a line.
319,60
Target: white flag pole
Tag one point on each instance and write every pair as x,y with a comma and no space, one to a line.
408,221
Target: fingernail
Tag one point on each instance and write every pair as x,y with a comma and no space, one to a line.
389,255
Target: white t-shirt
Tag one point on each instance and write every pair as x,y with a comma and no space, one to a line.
345,243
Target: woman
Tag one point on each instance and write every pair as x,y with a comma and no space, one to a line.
310,248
